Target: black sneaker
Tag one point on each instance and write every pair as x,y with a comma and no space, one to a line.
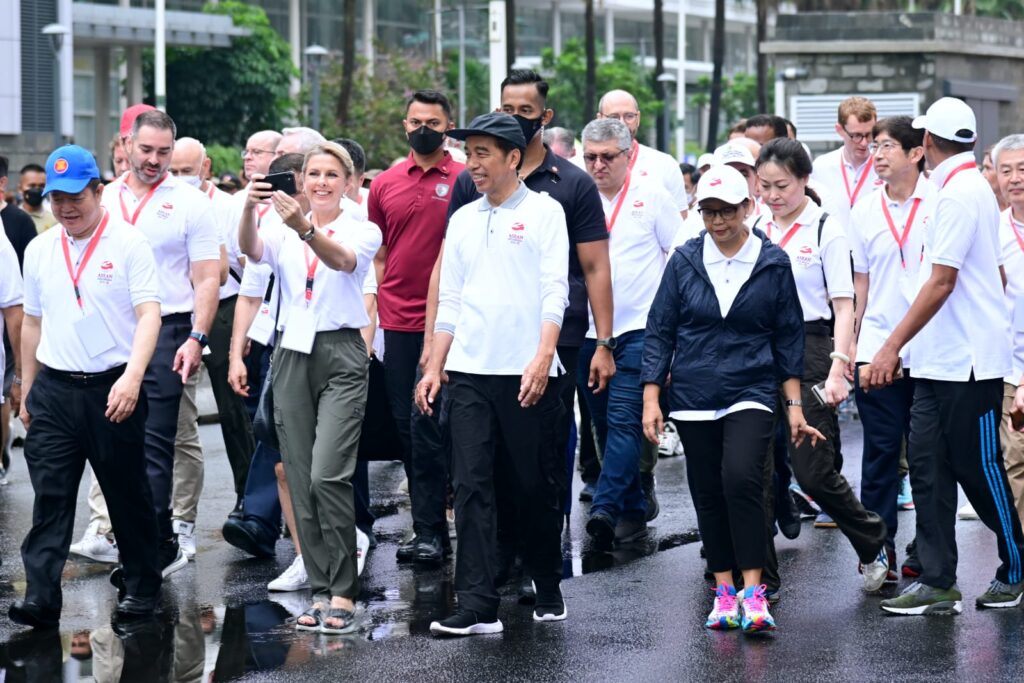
239,510
601,529
465,623
407,549
550,605
649,485
788,517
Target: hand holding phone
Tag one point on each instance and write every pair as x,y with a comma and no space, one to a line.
283,181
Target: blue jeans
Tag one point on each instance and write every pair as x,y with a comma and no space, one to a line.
617,413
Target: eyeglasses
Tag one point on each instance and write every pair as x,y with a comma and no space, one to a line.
628,117
857,137
727,213
606,157
255,152
885,147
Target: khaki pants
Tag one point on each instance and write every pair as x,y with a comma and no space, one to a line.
188,457
1012,444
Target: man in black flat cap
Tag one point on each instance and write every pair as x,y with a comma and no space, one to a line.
504,288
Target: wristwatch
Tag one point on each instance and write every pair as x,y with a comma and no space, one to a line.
307,236
200,338
608,342
794,402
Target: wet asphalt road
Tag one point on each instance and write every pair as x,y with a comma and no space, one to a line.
634,615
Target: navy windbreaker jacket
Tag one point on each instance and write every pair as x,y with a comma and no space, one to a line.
717,362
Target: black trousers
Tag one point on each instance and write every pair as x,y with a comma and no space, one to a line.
163,397
487,422
816,467
69,428
425,455
725,469
235,423
954,439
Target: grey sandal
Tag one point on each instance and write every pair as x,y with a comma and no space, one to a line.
347,617
316,614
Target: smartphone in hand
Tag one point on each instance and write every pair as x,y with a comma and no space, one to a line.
284,181
819,391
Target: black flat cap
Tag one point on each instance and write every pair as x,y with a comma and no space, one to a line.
496,124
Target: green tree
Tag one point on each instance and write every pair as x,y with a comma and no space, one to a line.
477,86
739,96
567,76
220,95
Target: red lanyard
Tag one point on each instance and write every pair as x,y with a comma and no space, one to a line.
311,269
260,214
860,183
961,167
633,154
145,200
1016,232
618,205
213,188
76,276
788,236
900,240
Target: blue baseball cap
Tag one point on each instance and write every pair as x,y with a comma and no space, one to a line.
69,169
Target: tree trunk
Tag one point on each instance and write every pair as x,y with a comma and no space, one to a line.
510,33
590,85
717,58
659,68
348,62
762,59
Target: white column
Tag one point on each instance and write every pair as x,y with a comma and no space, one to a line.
556,28
680,80
295,38
160,55
67,71
438,45
497,38
369,33
609,32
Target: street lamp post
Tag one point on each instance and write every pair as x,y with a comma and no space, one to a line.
315,54
56,33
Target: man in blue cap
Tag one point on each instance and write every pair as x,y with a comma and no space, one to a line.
92,316
503,292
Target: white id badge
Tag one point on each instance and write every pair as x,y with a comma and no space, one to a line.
262,328
94,335
300,330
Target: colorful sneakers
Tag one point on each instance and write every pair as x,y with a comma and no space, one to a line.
905,499
726,613
755,610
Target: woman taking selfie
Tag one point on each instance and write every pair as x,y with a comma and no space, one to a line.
727,319
319,369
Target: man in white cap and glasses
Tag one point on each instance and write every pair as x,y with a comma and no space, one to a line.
961,350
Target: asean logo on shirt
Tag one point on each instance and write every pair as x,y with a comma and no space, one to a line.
106,274
516,231
441,190
165,210
805,257
638,209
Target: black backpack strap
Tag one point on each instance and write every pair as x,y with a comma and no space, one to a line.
821,229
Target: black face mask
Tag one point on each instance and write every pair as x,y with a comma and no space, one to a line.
33,196
425,140
529,126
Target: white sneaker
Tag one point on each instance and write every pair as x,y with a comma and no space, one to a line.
96,546
669,444
186,532
292,579
180,561
876,571
967,512
362,548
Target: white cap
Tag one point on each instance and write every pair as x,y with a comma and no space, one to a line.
951,119
705,159
725,183
731,153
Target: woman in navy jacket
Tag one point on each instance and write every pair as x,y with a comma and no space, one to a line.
727,320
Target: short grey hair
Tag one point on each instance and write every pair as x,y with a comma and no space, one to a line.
602,130
1010,143
559,134
308,138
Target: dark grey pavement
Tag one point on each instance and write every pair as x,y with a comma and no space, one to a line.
634,615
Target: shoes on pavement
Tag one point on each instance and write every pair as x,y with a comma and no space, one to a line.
804,503
630,530
135,607
292,579
362,548
669,444
406,549
876,572
29,613
602,529
905,498
428,550
911,564
649,485
1000,595
588,492
920,599
726,612
823,521
248,536
465,623
756,616
527,591
239,510
96,546
171,557
550,604
186,532
788,517
967,512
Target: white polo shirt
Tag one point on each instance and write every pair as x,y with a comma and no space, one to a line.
337,296
1011,241
11,288
638,244
504,273
893,280
179,223
663,168
223,211
971,332
813,263
845,184
120,275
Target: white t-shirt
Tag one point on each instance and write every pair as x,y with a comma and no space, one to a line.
223,212
180,225
1011,241
893,281
120,275
644,229
845,184
337,297
11,288
813,262
971,332
661,167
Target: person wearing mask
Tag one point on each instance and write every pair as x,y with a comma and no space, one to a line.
730,293
410,203
92,318
642,222
961,353
820,258
499,360
320,367
886,237
31,181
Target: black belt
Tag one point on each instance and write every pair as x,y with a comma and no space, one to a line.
175,318
818,327
85,379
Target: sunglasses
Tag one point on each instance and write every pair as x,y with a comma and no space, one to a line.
606,157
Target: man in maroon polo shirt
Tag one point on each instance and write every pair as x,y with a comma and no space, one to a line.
409,202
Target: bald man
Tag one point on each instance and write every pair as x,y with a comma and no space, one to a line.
644,160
